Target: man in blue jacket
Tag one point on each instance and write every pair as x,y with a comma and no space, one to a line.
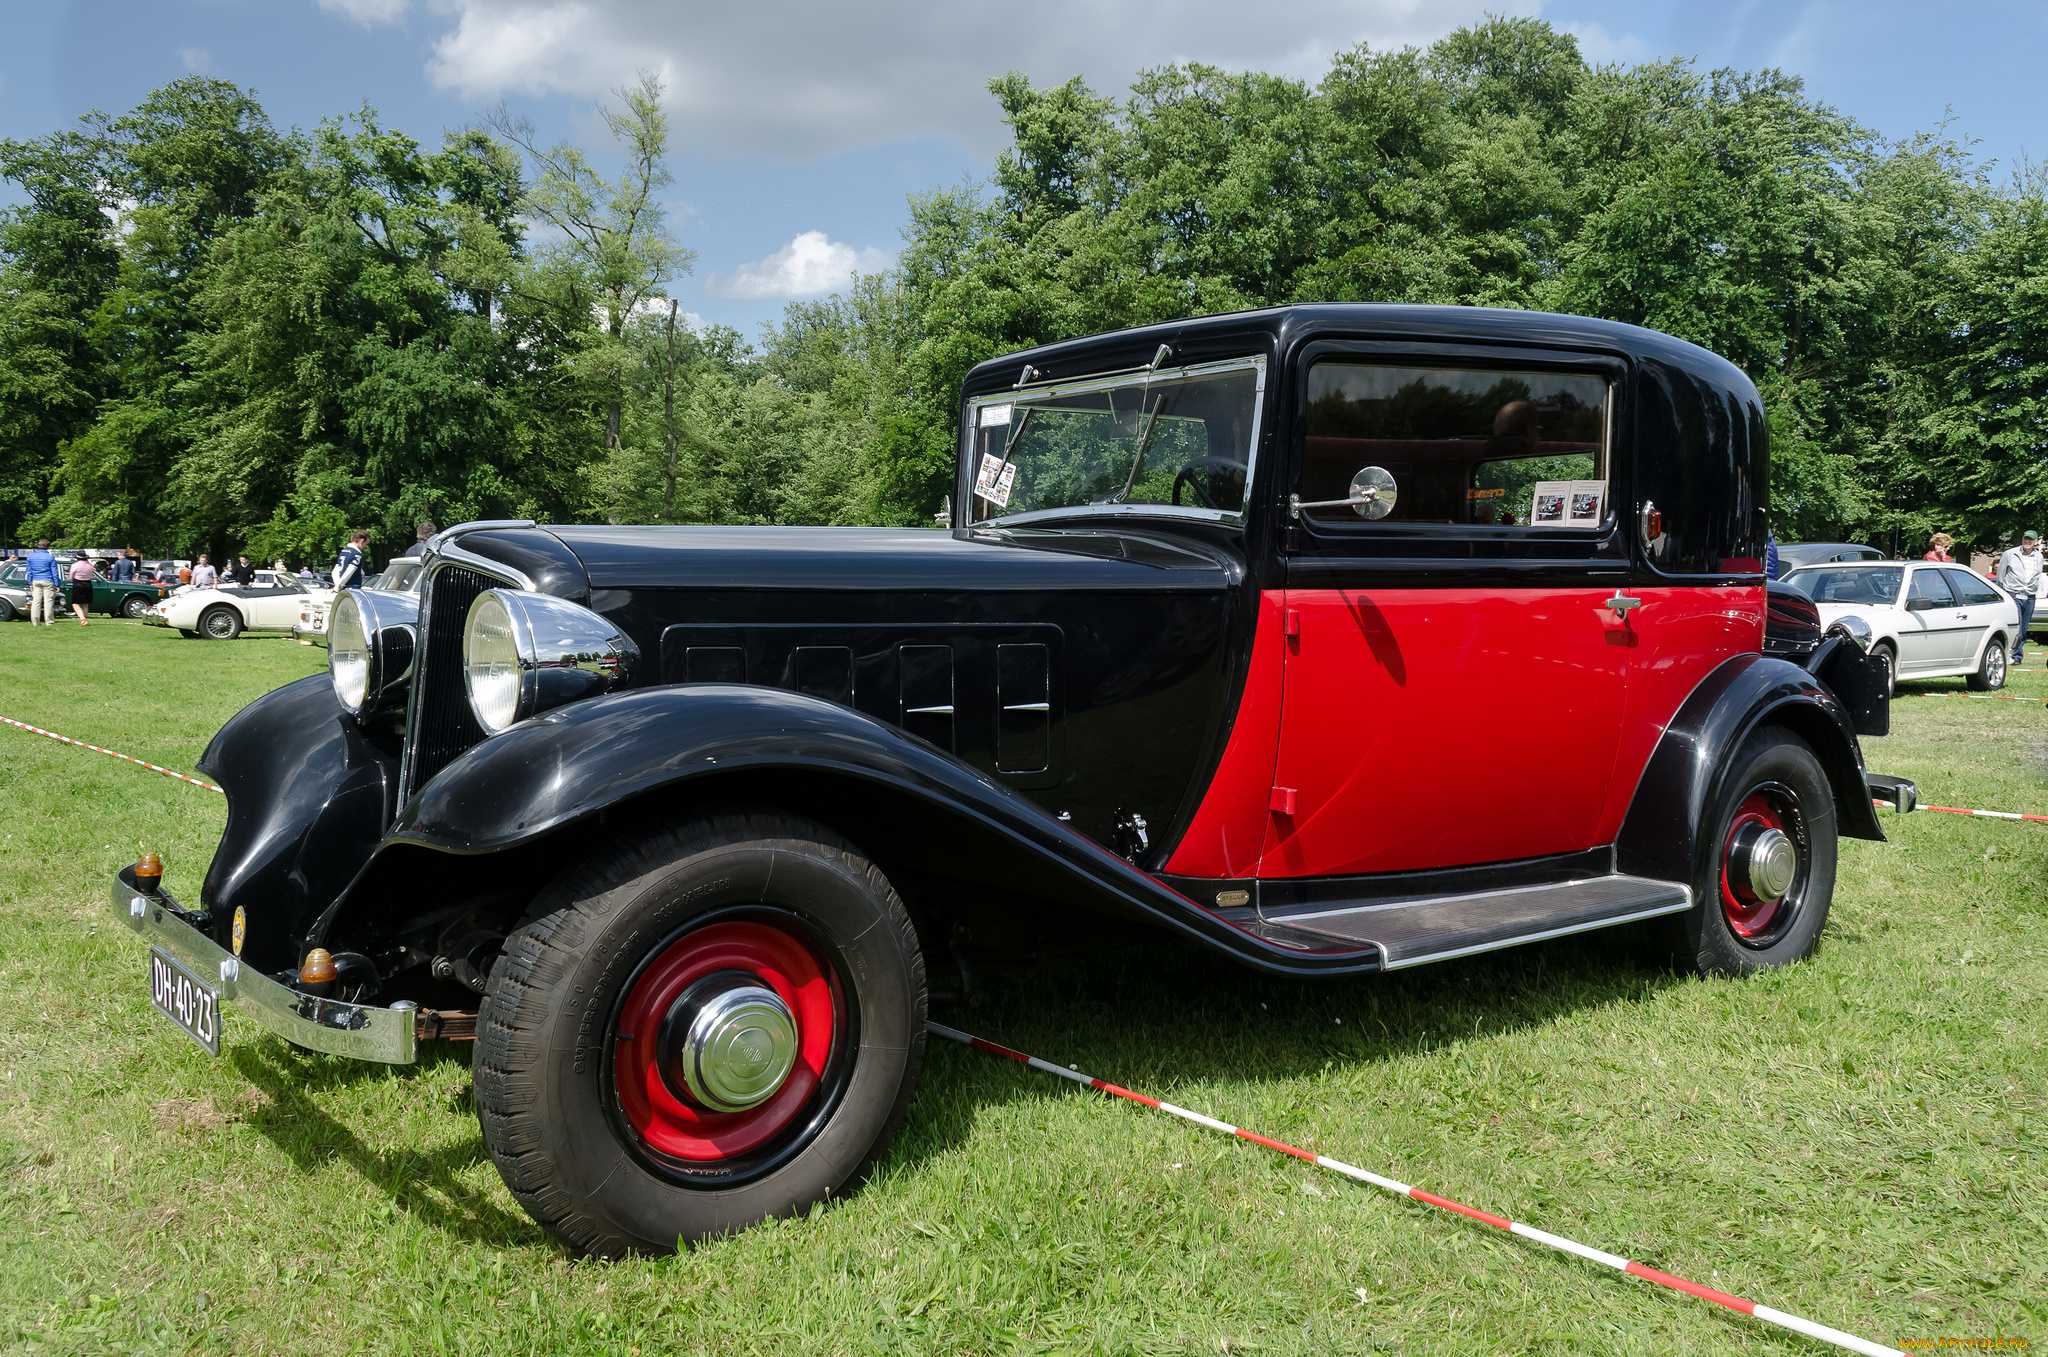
42,585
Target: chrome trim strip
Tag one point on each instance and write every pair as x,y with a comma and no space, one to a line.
387,1035
435,562
475,525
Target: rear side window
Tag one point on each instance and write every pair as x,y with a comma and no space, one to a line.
1929,587
1971,590
1460,445
1872,586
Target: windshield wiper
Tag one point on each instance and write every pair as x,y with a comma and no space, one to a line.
1144,442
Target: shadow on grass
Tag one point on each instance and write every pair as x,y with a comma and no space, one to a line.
423,1185
1173,1014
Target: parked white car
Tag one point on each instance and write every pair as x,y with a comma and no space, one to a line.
401,575
1926,620
270,603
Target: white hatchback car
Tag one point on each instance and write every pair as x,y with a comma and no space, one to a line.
1926,620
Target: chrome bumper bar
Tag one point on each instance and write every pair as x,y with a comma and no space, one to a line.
389,1035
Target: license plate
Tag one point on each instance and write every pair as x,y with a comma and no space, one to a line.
185,999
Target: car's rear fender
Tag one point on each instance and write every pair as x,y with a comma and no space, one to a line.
1687,773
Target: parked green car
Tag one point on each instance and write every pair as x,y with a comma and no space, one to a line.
116,598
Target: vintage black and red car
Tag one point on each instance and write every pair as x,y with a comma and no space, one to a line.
1237,623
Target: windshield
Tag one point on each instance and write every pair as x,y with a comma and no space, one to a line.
1176,438
1867,584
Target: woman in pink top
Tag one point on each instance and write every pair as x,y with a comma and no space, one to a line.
81,586
1941,542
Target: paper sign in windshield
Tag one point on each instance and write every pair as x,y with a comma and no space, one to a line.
994,481
993,415
1568,504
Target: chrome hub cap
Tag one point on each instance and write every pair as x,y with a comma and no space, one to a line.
728,1042
1766,861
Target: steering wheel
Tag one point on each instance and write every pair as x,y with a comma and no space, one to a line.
1183,477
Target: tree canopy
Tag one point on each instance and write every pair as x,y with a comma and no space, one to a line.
216,333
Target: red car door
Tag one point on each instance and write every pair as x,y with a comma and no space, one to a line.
1453,688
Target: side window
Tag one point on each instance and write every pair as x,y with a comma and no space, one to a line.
1971,590
1461,446
1927,591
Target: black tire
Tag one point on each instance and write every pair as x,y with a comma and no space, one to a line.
220,623
1991,667
1889,658
549,1050
133,606
1777,766
6,611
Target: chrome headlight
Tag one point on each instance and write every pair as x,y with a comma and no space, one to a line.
524,653
1852,629
370,650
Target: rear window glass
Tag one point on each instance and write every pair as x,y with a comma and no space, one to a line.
1970,589
1874,585
1462,446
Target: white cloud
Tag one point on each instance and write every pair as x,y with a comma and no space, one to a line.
196,59
811,77
807,266
1600,47
368,13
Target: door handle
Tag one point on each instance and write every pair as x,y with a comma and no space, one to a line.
1622,604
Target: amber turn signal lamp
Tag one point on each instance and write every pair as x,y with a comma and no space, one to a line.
319,968
149,873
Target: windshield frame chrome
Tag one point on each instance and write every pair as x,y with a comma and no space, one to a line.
1139,377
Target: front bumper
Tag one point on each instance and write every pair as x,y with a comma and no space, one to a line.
388,1035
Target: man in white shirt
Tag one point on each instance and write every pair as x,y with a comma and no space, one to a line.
2019,574
203,575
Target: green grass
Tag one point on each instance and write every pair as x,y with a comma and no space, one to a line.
1858,1139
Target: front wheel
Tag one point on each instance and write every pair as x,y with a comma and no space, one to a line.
134,606
1763,893
701,1024
6,611
220,623
1884,655
1990,675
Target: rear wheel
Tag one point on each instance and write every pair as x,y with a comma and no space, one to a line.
1765,889
220,623
700,1025
6,611
1887,657
1990,675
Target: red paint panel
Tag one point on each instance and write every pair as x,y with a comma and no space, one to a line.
1445,727
1681,634
1229,828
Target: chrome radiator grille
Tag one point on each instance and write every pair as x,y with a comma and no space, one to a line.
440,726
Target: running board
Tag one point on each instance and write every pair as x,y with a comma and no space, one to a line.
1413,931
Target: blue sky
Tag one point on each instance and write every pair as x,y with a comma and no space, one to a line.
801,125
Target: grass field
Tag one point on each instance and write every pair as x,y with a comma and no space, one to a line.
1858,1140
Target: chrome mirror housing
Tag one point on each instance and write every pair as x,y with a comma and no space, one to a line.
524,653
370,646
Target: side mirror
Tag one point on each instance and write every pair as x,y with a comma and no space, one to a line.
1921,605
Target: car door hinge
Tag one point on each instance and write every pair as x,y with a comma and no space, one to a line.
1282,802
1290,623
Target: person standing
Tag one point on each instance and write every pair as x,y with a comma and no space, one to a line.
425,530
123,568
2019,574
42,585
82,576
204,576
348,566
184,574
1770,554
1937,548
242,572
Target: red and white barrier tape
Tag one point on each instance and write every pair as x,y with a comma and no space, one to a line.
1989,814
1981,697
1825,1334
51,734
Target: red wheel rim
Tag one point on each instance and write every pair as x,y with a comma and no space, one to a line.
679,1129
1746,914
